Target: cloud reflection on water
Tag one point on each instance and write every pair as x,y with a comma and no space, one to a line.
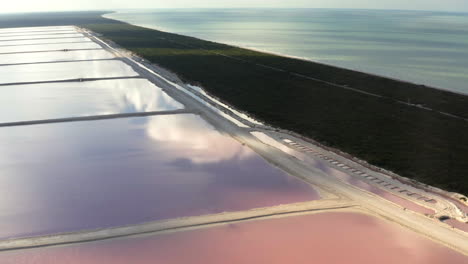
61,100
205,141
85,175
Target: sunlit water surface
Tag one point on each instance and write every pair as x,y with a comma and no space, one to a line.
76,99
21,30
34,47
64,71
54,56
5,38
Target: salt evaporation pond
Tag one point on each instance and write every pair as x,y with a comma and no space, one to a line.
36,29
321,238
74,99
55,56
64,71
457,224
85,175
14,34
5,39
44,41
48,47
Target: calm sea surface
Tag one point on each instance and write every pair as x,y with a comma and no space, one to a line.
429,48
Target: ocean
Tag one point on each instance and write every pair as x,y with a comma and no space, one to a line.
429,48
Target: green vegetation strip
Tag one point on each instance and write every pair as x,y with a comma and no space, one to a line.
309,98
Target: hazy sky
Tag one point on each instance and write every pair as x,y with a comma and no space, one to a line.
55,5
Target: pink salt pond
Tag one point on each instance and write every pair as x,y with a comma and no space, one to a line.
68,177
350,238
457,224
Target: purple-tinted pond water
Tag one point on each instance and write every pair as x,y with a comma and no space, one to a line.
73,176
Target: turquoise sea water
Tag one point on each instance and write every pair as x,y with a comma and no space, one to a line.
429,48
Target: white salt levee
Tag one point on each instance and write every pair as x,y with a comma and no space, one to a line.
228,117
32,29
49,47
239,114
264,138
47,36
55,56
63,71
62,100
177,86
44,41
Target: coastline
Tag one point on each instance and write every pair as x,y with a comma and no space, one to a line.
305,59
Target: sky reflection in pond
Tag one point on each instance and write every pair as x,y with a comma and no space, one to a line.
48,47
64,71
73,176
321,238
36,29
32,33
44,41
55,56
8,38
61,100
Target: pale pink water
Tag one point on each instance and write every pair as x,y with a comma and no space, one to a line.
322,238
462,207
457,224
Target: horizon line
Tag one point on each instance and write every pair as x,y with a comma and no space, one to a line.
199,8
